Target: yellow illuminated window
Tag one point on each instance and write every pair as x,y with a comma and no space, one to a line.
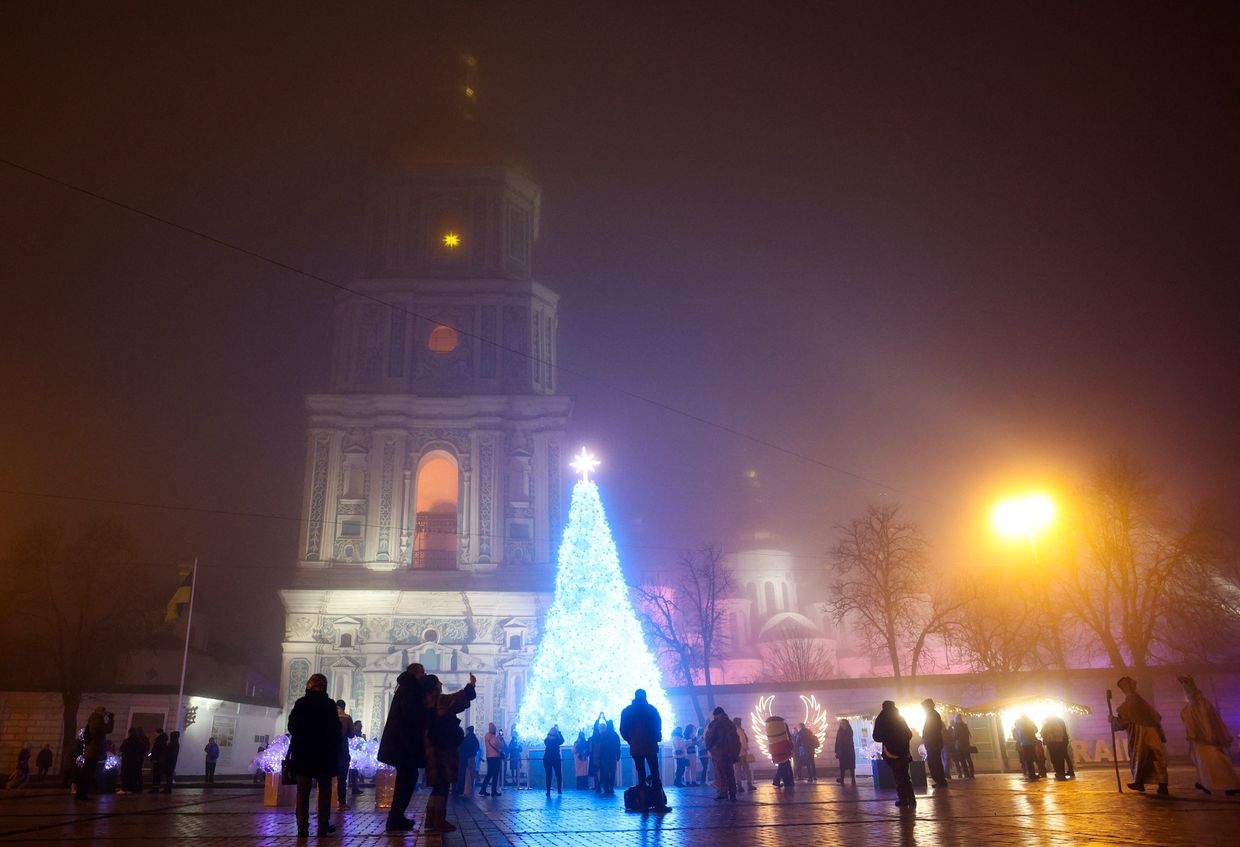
443,339
451,239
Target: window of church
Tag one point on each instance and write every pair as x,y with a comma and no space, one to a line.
346,641
351,529
443,340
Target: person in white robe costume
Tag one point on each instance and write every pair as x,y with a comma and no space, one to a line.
1209,740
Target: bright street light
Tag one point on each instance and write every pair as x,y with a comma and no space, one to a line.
1023,517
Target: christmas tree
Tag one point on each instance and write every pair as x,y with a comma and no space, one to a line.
592,654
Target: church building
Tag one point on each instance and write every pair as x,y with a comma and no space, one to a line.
433,490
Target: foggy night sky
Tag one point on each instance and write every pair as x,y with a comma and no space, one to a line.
958,250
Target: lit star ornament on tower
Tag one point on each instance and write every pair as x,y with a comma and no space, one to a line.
592,654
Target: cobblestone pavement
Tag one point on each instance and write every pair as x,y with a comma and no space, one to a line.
992,810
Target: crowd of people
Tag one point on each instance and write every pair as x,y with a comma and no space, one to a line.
423,733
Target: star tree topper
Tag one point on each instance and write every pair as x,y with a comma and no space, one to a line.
585,464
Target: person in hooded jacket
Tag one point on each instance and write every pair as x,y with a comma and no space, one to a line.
158,748
891,730
314,752
724,746
403,745
443,741
845,752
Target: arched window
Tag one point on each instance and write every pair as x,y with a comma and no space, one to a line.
436,495
346,641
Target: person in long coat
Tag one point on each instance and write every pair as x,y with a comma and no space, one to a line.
1209,740
608,757
402,744
724,746
158,748
962,737
932,735
314,752
892,731
743,772
443,737
131,763
581,761
170,760
1143,723
845,751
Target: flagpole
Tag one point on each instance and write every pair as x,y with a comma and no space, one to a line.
189,622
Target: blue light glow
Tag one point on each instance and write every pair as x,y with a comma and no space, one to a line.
592,653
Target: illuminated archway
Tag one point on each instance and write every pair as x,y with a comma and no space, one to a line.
436,498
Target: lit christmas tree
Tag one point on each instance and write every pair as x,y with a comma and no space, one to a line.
592,655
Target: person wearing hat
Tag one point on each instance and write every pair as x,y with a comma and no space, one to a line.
314,752
1146,755
1210,742
724,746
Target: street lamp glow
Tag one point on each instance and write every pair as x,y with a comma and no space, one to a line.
1023,517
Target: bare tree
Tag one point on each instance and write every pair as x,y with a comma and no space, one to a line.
997,628
1129,566
883,585
686,617
795,656
78,604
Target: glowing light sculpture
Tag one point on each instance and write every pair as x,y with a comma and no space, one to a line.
592,653
815,719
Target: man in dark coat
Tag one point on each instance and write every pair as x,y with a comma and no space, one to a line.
403,744
314,752
342,775
725,747
158,748
131,763
609,757
642,727
933,736
891,730
170,760
43,762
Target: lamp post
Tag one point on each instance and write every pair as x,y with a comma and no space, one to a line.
1025,517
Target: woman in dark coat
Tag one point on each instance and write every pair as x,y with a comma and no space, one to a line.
596,740
443,740
845,751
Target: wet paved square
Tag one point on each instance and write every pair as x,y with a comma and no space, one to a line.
993,810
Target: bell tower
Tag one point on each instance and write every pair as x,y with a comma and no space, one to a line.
433,491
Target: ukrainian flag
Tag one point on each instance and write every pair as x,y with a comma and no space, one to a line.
180,599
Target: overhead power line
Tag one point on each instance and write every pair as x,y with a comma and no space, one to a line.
651,401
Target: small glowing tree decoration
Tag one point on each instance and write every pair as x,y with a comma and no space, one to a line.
592,654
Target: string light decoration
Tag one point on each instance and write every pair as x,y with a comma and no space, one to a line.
110,761
271,759
815,719
592,654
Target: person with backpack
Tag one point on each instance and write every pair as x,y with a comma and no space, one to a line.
724,746
642,727
443,739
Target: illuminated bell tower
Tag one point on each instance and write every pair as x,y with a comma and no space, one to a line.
433,489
